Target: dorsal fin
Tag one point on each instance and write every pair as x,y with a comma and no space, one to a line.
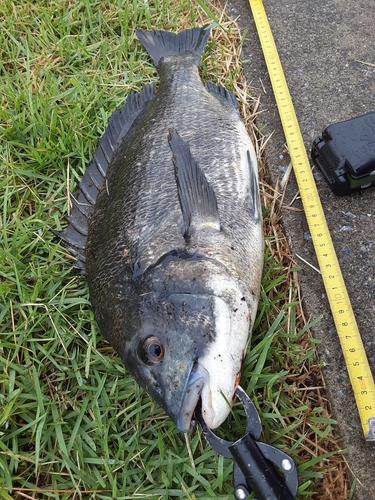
93,181
197,198
224,95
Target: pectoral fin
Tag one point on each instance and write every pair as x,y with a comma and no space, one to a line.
254,198
196,195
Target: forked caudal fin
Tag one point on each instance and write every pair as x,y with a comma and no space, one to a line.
161,44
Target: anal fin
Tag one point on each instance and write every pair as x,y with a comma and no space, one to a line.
223,95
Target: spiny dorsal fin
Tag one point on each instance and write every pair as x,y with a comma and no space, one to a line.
161,44
93,181
223,94
197,198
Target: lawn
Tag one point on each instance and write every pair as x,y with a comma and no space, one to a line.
73,423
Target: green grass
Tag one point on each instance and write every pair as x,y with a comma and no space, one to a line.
73,423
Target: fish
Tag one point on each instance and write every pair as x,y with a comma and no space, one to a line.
166,224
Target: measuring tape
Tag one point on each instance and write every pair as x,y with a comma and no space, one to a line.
346,325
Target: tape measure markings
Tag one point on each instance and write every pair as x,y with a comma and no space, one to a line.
351,343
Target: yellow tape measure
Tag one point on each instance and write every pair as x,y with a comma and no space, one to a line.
346,325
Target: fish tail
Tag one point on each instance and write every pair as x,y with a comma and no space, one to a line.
161,44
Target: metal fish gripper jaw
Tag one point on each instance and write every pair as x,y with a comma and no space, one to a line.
258,467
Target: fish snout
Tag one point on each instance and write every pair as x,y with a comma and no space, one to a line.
198,379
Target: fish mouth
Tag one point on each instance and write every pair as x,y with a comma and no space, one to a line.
199,376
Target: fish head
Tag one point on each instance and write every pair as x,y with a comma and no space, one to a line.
189,345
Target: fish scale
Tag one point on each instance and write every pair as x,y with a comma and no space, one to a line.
172,242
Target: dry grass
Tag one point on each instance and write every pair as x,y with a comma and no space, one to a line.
306,382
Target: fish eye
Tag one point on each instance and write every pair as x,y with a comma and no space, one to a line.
151,350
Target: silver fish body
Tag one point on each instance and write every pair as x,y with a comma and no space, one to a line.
167,226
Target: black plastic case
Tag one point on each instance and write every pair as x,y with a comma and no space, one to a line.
346,154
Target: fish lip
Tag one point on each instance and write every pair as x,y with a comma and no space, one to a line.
198,377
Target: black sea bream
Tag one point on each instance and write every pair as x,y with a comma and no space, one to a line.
167,226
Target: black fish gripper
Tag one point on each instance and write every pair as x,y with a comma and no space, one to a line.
267,471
